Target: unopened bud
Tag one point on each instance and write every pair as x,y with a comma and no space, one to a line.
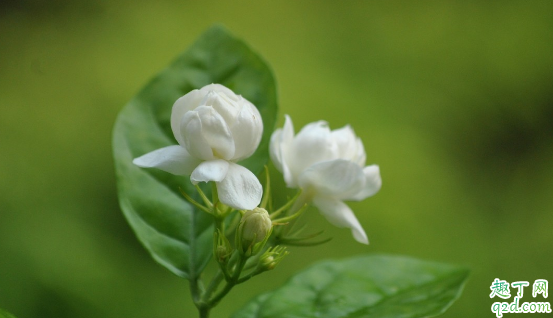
255,226
268,263
222,254
270,259
222,249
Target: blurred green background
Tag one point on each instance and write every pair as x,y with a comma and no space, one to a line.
454,101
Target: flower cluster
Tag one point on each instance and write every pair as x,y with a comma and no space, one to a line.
215,129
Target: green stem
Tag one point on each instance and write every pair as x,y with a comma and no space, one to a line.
194,202
304,197
230,264
215,281
195,290
247,277
221,294
196,297
252,261
219,225
204,312
287,205
233,225
214,194
204,198
230,284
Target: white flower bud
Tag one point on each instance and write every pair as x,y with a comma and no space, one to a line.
214,128
255,226
214,123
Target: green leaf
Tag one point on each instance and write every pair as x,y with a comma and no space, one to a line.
368,286
4,314
176,234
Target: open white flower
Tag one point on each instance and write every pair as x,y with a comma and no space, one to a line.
214,128
329,166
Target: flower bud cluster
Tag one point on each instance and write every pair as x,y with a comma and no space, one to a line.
215,129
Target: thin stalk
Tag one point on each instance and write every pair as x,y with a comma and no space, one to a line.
247,277
214,194
203,309
219,225
287,205
230,284
233,225
204,198
215,281
194,202
204,312
195,290
265,199
303,198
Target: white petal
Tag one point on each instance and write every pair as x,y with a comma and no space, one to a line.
281,141
345,142
340,215
240,189
338,178
221,89
360,156
184,104
287,130
191,101
194,140
311,145
373,183
286,142
247,130
173,159
215,130
275,149
213,170
226,107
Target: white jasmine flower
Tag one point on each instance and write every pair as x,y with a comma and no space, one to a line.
329,166
215,128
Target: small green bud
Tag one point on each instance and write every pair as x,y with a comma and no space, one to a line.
222,254
270,259
255,227
268,263
222,249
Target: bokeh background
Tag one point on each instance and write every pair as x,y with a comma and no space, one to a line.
453,99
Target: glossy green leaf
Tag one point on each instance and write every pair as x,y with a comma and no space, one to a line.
369,286
176,234
4,314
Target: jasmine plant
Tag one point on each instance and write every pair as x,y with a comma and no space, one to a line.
189,149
